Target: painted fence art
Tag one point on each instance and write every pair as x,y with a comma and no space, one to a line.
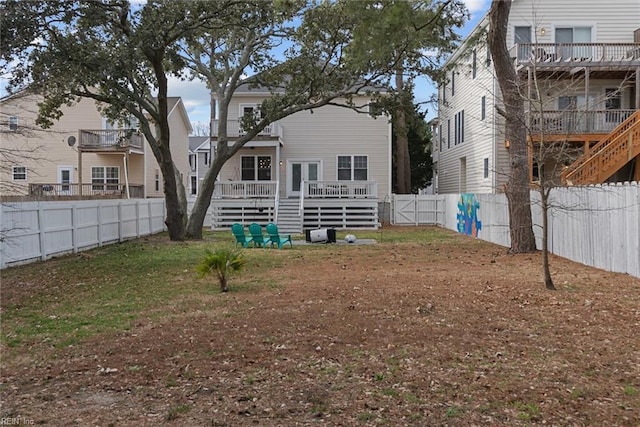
468,222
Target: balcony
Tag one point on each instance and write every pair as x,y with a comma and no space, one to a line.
111,140
95,191
571,53
577,122
341,189
245,189
234,129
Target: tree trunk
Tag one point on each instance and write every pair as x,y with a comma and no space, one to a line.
544,197
403,161
517,188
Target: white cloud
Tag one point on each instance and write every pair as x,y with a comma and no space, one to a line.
195,96
475,6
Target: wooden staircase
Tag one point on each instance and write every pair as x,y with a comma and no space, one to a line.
289,219
608,156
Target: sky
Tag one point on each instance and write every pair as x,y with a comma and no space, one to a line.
196,96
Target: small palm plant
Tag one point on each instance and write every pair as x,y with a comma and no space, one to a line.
223,262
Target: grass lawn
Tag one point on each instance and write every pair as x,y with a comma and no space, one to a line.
424,327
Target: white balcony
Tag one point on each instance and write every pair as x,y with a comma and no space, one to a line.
234,129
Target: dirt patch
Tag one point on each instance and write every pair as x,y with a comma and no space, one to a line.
455,333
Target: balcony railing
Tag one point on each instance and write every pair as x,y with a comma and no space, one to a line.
234,129
526,53
571,122
341,189
245,189
114,191
111,139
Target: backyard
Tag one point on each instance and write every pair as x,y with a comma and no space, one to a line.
424,327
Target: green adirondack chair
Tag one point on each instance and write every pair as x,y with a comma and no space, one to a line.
241,238
259,239
277,238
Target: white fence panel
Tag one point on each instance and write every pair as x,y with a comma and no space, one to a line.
411,209
33,231
596,225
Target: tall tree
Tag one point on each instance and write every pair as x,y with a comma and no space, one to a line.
113,53
517,189
419,144
414,36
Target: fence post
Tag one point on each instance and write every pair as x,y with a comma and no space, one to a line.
120,239
99,217
43,253
74,227
137,217
150,210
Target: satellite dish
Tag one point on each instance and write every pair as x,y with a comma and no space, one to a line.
71,141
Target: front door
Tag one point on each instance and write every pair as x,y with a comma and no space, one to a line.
301,171
65,178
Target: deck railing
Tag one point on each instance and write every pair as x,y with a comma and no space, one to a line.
527,53
340,189
111,139
234,129
114,191
572,122
245,189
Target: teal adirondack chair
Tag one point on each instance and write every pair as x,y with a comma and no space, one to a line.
259,239
277,238
241,238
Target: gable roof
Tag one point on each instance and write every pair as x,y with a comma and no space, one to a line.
197,142
175,104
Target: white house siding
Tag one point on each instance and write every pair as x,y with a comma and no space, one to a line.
50,148
322,135
612,21
478,132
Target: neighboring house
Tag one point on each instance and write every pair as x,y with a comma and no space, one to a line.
579,67
330,167
199,162
109,160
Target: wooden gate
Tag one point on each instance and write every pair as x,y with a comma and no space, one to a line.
411,209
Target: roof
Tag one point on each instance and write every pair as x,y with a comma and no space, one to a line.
176,102
195,142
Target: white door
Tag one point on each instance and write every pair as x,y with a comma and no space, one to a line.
299,171
65,178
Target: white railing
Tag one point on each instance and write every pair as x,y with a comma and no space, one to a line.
234,129
301,211
340,189
567,122
245,189
277,203
561,52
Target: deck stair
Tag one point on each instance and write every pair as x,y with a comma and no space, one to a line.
289,218
608,156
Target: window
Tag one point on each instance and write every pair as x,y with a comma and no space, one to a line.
13,123
19,173
129,122
192,161
486,167
568,36
353,168
488,58
105,178
459,128
613,101
453,83
474,64
483,108
256,168
194,185
206,158
522,37
449,133
444,93
157,180
440,136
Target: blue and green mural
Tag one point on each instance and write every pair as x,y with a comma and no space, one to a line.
468,222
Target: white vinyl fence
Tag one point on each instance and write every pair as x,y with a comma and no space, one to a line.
596,225
32,231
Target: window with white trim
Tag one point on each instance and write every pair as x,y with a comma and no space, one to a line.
255,168
353,168
13,123
19,173
105,178
157,180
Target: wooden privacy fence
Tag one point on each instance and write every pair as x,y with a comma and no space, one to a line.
595,225
32,231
